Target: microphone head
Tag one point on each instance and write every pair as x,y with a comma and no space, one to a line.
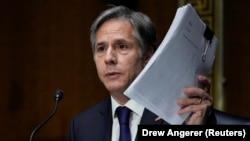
58,95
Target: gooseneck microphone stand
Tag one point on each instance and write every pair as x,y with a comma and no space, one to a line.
58,97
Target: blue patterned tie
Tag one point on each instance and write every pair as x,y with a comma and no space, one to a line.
123,114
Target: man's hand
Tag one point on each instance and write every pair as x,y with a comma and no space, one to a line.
198,102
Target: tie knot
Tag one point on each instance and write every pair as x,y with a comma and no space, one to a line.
123,114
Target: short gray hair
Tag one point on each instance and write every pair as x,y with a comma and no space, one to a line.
144,29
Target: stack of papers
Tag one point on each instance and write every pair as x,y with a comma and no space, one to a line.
187,50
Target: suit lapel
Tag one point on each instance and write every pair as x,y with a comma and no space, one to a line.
149,118
105,122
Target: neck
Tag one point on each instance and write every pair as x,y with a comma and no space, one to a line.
120,98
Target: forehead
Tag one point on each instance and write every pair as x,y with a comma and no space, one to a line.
114,26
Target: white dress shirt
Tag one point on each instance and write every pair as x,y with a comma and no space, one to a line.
135,118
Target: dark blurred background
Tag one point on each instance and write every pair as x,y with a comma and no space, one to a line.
44,46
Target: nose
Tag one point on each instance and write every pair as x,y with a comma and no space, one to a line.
110,56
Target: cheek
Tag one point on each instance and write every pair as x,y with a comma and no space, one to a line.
134,66
99,67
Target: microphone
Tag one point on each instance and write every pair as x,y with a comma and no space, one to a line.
58,96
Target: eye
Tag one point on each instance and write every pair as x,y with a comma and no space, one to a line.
122,46
100,48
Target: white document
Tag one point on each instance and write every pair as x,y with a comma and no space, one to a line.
183,54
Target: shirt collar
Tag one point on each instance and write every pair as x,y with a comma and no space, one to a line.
131,104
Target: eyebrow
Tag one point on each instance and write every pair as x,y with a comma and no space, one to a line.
100,43
118,40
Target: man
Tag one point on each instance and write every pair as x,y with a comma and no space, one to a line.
123,42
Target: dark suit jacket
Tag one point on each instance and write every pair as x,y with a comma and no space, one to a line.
95,124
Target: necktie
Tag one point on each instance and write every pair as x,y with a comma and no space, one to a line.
123,114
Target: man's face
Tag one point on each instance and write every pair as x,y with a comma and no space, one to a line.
117,55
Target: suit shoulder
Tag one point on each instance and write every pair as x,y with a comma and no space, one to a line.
95,109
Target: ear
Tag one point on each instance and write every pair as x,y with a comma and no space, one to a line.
148,55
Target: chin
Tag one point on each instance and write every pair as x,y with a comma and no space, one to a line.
116,89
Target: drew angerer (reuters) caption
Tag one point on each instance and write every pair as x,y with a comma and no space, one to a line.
239,132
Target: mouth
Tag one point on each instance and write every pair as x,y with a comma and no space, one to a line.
112,75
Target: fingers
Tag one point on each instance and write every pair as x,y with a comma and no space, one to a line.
196,92
193,105
200,101
205,83
196,100
194,96
189,101
198,113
